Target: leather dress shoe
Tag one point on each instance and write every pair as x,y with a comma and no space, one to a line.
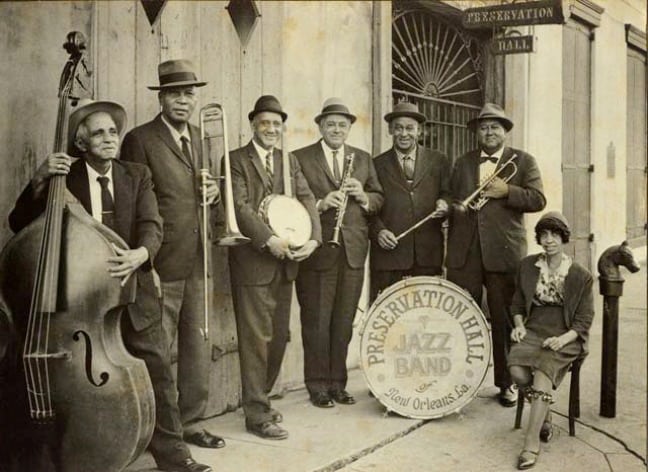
267,430
321,400
343,397
204,438
508,396
184,465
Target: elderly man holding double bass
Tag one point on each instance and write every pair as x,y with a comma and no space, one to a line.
495,186
263,271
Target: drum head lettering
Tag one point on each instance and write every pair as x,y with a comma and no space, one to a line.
425,347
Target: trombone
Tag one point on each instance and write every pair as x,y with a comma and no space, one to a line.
210,116
476,200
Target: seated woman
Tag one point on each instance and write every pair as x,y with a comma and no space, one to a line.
552,313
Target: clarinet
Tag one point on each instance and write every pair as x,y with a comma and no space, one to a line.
339,216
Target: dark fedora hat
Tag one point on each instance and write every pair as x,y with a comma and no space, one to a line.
491,111
406,109
335,106
87,107
176,73
267,103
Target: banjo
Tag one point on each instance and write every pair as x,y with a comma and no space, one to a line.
283,213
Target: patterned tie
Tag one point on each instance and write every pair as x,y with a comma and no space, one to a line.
268,167
185,149
408,167
107,203
336,169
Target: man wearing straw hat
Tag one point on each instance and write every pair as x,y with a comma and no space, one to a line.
416,182
170,146
263,271
120,195
485,245
330,282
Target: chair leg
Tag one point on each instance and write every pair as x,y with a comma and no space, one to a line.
520,408
574,396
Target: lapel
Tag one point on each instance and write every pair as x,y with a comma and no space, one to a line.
320,159
166,137
196,150
573,289
394,168
123,196
258,165
422,165
506,155
529,282
77,183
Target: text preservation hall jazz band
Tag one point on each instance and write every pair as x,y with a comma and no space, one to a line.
108,267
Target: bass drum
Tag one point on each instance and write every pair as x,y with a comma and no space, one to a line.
425,347
287,218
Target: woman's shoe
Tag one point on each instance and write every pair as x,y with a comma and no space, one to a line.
546,432
527,459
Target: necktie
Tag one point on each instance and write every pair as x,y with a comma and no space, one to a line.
185,149
336,168
107,203
268,166
408,167
483,159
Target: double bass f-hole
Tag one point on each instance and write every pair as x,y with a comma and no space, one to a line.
104,376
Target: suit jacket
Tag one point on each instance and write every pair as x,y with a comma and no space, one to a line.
405,205
177,186
251,264
578,309
500,222
137,219
355,228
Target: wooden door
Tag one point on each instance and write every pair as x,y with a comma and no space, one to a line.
576,158
636,148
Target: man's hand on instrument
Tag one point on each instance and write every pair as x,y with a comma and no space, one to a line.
496,189
278,247
332,200
353,187
126,262
441,209
57,163
304,251
387,240
210,186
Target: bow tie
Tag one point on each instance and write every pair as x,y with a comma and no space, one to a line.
483,159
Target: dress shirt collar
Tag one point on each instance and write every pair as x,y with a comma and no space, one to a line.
176,134
401,155
262,152
497,154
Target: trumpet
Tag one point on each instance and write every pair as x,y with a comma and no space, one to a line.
476,200
341,210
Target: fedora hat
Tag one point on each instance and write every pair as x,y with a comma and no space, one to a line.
267,103
334,106
406,109
176,73
491,111
87,107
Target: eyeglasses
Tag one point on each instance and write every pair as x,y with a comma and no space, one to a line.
406,129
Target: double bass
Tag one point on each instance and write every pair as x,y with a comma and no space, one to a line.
77,396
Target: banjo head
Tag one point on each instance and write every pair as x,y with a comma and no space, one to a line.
287,218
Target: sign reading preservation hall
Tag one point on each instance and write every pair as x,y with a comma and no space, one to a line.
424,347
516,14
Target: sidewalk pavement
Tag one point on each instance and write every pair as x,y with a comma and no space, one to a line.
362,438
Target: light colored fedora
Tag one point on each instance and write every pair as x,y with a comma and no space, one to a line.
406,109
491,111
87,107
176,73
335,106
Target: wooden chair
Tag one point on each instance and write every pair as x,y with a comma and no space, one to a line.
574,398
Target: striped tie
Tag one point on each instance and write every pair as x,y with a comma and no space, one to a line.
268,166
